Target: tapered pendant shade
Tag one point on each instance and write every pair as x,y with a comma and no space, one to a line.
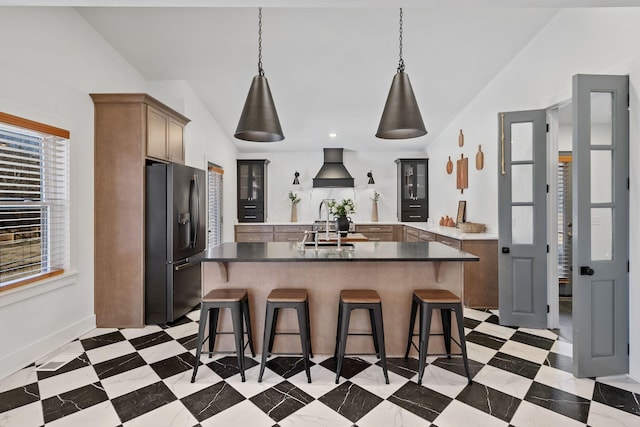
259,120
401,118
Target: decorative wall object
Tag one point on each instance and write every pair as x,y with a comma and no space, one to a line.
462,212
460,139
479,158
449,166
462,174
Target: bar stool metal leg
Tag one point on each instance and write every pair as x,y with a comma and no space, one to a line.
268,332
213,328
309,327
342,343
412,322
303,323
445,315
463,341
374,332
238,333
247,319
425,328
379,331
201,328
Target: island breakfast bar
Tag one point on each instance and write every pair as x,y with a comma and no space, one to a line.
393,269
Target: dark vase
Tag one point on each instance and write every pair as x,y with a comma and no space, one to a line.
342,225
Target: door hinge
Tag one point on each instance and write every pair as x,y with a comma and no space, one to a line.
547,308
547,127
547,248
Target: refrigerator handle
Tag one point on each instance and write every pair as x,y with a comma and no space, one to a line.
195,215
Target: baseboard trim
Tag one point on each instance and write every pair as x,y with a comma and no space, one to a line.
27,355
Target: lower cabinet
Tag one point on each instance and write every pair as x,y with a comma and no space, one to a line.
254,233
377,233
289,233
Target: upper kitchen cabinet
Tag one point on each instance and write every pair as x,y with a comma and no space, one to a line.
413,190
252,195
165,134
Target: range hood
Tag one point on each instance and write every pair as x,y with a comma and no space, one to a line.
333,173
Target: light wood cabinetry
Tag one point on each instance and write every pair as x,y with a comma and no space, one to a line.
254,233
290,233
121,134
165,135
377,233
480,278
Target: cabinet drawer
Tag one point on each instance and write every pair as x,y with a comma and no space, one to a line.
252,206
380,237
254,229
251,216
374,229
291,228
254,237
426,236
288,237
454,243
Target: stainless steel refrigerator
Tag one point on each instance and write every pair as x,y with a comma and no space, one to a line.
175,226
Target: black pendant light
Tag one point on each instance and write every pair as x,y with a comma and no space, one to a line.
259,119
401,118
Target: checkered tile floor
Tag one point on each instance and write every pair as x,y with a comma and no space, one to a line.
141,377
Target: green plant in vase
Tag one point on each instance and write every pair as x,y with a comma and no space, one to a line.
340,210
295,199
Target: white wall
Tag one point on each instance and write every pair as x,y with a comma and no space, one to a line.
51,60
282,167
575,41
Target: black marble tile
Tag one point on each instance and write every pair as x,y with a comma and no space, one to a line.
189,342
485,340
212,400
350,401
617,398
20,396
533,340
102,340
493,319
471,323
118,365
282,400
81,361
141,401
407,368
179,321
559,361
489,400
73,401
150,340
227,366
422,401
351,366
174,365
515,365
287,367
456,365
559,401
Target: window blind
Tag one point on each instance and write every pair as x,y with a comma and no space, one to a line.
215,175
33,203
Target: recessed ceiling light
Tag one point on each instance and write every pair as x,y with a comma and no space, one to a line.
333,135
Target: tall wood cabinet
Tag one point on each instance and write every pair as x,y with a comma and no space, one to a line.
413,190
128,134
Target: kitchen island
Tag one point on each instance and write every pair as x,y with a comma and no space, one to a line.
393,269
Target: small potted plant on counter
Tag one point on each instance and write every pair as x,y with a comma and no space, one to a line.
374,208
295,199
340,210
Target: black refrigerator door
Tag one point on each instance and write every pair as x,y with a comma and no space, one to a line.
188,211
185,288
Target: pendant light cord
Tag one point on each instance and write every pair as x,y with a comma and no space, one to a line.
260,70
401,61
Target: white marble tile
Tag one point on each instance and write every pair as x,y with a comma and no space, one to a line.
174,414
480,353
315,414
98,331
180,384
20,379
322,381
565,381
459,414
388,414
621,381
194,315
68,381
443,381
251,386
506,382
562,347
243,414
111,351
530,415
372,380
182,331
130,333
478,315
524,351
72,347
545,333
605,416
100,415
129,381
495,330
161,351
25,416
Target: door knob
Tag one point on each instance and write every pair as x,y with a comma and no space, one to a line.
585,270
505,250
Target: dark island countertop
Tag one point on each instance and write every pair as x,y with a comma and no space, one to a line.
360,251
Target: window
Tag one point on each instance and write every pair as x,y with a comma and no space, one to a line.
215,205
33,201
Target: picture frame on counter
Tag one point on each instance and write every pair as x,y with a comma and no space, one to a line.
462,212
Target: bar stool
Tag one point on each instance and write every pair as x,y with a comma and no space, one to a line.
287,298
352,299
237,300
428,300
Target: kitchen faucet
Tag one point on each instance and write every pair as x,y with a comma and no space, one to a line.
325,202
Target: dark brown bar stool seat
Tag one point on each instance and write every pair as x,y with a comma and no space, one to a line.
352,299
287,298
237,300
445,301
